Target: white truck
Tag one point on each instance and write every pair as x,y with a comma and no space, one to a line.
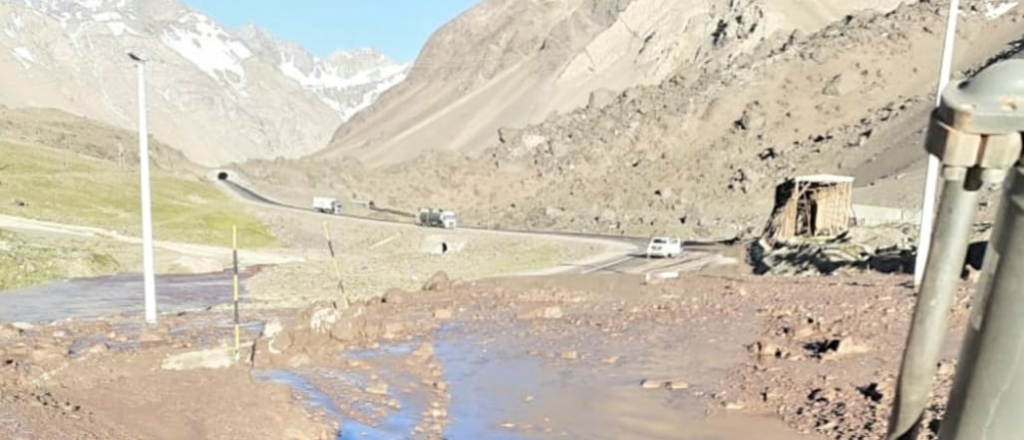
437,218
327,205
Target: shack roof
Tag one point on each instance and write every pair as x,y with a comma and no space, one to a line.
824,178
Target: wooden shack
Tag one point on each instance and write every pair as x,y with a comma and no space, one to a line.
811,206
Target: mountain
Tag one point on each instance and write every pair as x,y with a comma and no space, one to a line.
218,96
511,63
695,147
346,81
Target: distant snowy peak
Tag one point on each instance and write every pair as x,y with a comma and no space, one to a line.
346,81
90,5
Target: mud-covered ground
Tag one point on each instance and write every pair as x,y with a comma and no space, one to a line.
579,356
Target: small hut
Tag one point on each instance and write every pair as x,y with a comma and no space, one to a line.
811,206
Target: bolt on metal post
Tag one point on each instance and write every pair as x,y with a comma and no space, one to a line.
975,132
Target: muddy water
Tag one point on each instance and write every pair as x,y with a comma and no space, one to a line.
500,391
96,297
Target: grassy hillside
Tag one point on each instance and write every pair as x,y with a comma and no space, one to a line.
63,186
26,262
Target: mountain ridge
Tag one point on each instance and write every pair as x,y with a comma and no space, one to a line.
213,94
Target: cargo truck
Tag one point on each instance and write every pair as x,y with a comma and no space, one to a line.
326,205
437,218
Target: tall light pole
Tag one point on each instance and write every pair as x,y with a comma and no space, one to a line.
932,174
149,277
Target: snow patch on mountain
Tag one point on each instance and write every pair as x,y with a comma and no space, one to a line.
24,56
212,49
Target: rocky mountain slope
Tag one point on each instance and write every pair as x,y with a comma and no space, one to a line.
699,153
216,95
506,63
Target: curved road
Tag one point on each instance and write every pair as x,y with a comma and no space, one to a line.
619,264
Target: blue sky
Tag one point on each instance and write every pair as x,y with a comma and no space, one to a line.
399,28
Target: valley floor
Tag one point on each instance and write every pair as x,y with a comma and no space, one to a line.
709,355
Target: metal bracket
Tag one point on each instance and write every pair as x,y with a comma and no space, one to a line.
979,123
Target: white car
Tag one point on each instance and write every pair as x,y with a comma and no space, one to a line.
664,247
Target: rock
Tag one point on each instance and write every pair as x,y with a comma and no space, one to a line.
8,331
532,141
552,313
392,329
279,343
298,360
823,395
23,326
651,385
99,348
321,316
443,314
850,346
394,296
553,212
507,135
150,337
424,351
558,149
350,329
733,406
803,332
47,352
766,349
842,84
378,388
601,98
272,328
216,358
570,355
946,369
439,282
678,385
752,119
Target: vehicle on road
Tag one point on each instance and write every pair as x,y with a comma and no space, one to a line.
326,205
437,218
665,247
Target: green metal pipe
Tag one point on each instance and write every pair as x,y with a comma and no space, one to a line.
955,217
987,401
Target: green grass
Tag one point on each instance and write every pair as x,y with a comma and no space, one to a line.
63,187
24,263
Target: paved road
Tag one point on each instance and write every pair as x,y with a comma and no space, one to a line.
623,263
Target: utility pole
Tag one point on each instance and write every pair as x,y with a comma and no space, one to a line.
120,155
147,211
932,174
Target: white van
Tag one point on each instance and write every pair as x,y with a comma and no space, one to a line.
665,247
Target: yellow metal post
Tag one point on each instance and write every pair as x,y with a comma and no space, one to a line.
234,284
334,260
